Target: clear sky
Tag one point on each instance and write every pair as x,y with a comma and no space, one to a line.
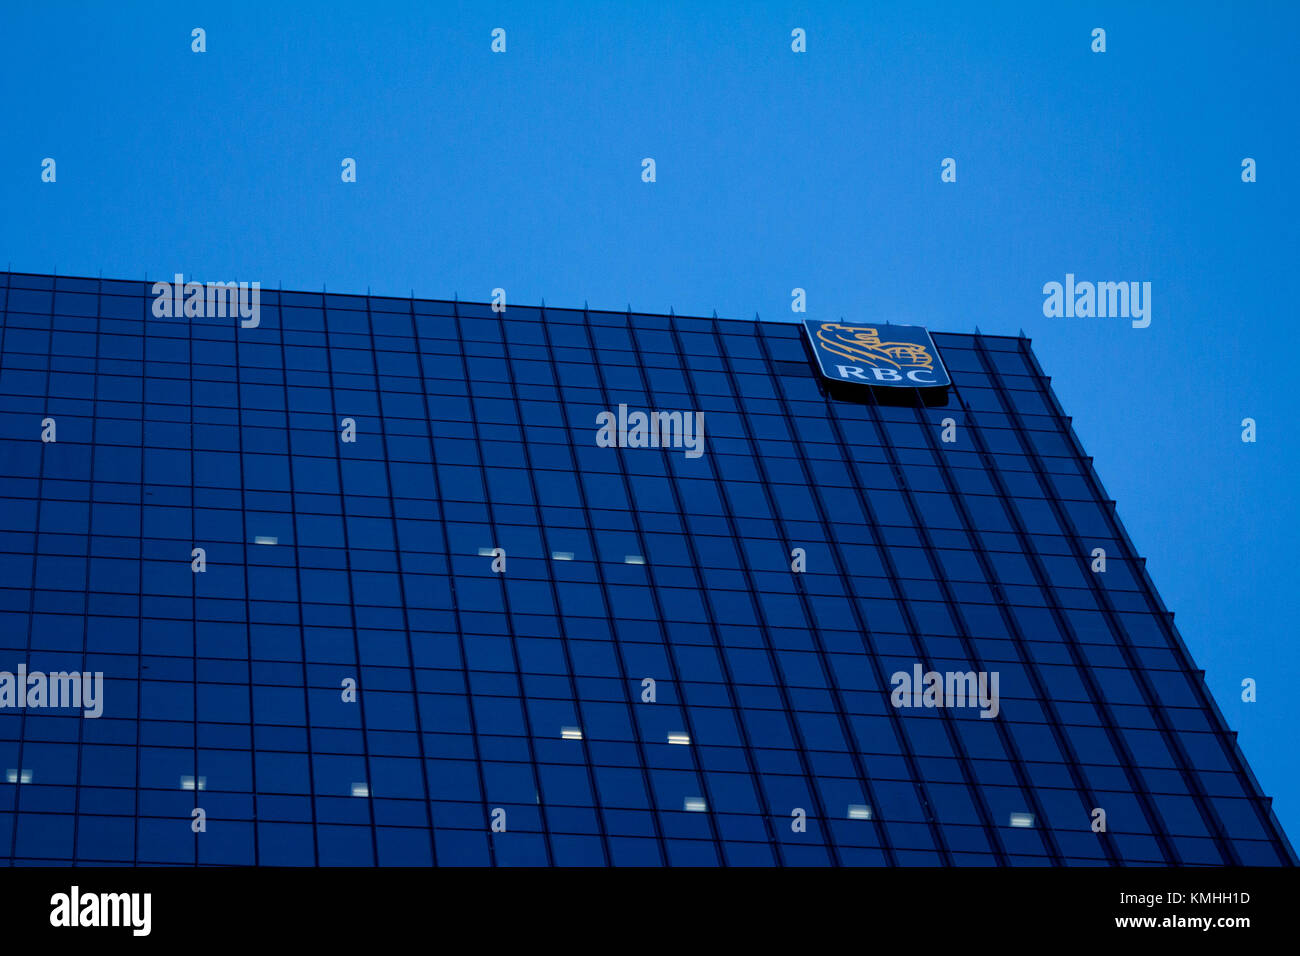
775,170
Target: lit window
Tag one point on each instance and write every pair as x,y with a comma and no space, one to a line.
361,790
187,783
1022,819
859,811
266,539
562,555
13,776
633,559
679,738
571,733
487,552
695,804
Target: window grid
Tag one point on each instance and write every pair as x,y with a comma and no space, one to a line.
974,553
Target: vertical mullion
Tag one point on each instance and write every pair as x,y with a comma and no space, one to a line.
451,573
401,578
637,742
302,632
352,594
634,515
505,598
563,629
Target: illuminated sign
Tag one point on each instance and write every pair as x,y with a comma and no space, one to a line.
882,356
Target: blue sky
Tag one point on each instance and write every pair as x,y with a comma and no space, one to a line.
774,170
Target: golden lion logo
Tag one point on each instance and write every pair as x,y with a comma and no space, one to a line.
862,344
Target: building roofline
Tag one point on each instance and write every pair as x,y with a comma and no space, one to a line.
584,308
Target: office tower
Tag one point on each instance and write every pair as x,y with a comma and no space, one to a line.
393,581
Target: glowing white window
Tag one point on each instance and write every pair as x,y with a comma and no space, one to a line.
679,738
571,733
1022,819
859,811
695,804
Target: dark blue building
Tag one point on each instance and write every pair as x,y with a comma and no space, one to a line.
366,584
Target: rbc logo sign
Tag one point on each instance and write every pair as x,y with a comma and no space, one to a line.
889,356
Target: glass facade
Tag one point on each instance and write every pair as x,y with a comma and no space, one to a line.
365,589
